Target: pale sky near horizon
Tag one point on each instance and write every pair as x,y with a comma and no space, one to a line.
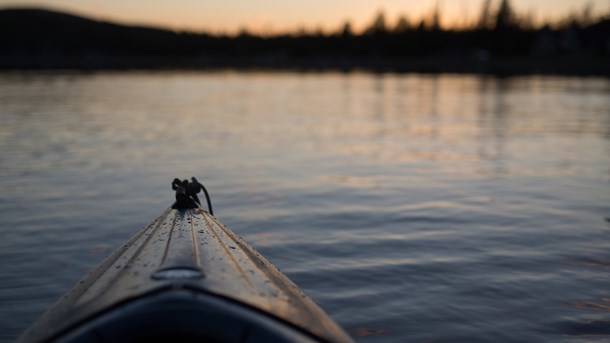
289,15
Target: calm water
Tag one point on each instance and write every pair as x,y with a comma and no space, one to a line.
412,208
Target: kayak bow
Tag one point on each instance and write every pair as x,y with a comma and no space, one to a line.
185,277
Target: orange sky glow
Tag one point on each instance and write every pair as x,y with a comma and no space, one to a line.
272,16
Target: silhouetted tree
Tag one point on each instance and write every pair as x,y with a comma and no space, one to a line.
435,23
379,26
505,19
346,31
244,32
527,21
587,14
486,18
580,18
421,27
402,25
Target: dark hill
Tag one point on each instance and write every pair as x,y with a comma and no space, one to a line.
42,32
48,39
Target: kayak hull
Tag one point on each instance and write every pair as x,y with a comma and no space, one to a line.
185,275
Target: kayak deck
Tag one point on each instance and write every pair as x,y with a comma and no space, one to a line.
191,257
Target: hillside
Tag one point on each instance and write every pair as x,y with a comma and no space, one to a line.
45,36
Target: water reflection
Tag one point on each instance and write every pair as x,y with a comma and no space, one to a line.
593,305
494,122
593,328
428,117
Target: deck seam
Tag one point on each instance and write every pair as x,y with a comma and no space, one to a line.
195,242
133,257
169,240
227,251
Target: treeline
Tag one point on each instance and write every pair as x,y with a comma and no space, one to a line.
498,31
494,15
499,40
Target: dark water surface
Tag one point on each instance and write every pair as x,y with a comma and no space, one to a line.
412,208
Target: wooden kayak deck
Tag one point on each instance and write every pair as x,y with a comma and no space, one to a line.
188,250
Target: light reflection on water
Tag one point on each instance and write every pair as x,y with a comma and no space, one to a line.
411,207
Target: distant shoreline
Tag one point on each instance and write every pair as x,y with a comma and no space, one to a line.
577,66
37,39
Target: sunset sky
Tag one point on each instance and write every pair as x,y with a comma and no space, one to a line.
270,16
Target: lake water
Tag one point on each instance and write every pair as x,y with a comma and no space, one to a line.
412,208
